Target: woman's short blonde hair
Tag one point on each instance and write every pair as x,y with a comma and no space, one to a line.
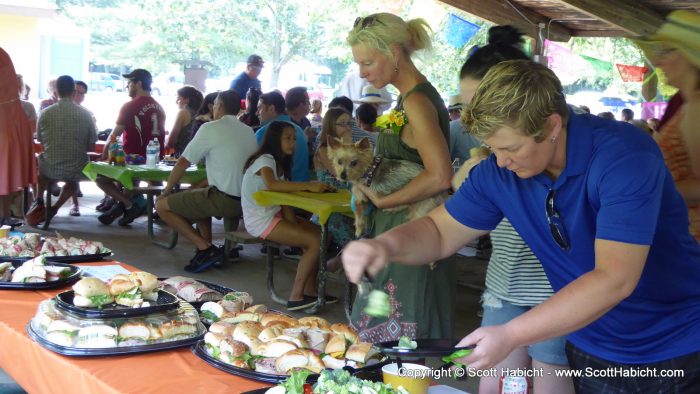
380,31
519,93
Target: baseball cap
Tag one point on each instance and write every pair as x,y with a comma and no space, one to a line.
140,74
256,60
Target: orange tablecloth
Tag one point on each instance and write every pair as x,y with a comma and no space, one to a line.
39,370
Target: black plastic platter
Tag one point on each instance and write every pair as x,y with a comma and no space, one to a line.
221,289
199,349
112,351
54,284
83,258
426,348
166,302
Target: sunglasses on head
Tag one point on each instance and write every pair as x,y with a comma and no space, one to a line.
366,21
556,224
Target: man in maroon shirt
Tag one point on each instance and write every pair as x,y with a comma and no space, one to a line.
140,120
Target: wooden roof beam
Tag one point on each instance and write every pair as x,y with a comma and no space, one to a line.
629,15
501,13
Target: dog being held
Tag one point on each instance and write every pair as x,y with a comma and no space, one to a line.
356,163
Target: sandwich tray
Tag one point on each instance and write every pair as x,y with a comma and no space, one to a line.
200,351
112,351
221,289
82,258
54,284
166,302
425,348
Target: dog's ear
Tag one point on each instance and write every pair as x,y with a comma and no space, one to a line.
363,143
333,143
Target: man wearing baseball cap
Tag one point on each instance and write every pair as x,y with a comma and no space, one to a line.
249,78
140,121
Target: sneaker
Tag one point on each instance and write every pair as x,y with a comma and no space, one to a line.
329,298
105,204
296,305
36,213
132,213
293,253
108,217
204,259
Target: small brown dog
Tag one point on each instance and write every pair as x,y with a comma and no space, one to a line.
356,163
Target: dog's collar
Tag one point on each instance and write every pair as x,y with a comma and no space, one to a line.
369,174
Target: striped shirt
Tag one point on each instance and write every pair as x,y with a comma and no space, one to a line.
514,274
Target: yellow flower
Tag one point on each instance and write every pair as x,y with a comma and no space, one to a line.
393,122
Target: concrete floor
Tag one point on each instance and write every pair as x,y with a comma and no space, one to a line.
132,246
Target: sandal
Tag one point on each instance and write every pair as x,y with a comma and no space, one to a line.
74,211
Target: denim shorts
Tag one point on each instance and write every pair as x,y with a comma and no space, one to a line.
551,351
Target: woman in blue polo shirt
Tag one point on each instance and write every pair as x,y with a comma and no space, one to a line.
596,204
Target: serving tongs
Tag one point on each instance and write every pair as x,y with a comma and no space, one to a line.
365,285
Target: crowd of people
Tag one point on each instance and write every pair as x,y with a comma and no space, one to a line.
594,224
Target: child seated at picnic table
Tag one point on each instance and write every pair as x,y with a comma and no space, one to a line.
268,169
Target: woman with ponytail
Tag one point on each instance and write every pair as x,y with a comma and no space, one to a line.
422,298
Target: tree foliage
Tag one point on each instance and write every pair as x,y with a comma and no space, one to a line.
160,34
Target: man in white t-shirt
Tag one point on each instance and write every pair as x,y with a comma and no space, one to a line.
225,144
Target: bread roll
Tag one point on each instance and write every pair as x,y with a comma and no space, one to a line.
89,287
268,318
360,352
251,328
336,346
270,333
147,282
346,331
222,327
213,339
134,330
275,348
315,322
233,347
301,343
260,308
317,338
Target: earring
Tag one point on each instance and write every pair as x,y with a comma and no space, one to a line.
396,68
554,139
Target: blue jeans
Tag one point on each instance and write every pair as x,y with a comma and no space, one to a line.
498,311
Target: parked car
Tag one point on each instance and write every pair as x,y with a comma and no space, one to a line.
167,84
106,82
605,102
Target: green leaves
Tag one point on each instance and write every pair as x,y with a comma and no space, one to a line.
458,354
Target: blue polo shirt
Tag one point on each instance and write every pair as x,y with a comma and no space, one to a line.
300,160
243,82
615,186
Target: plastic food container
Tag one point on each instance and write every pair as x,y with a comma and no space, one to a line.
69,334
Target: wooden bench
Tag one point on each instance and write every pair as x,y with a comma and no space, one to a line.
243,237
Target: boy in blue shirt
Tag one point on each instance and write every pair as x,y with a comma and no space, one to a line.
596,204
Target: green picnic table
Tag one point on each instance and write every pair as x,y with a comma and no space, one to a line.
127,173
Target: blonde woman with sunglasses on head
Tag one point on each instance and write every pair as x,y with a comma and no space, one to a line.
422,298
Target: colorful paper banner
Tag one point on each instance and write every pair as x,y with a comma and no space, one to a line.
458,31
631,73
